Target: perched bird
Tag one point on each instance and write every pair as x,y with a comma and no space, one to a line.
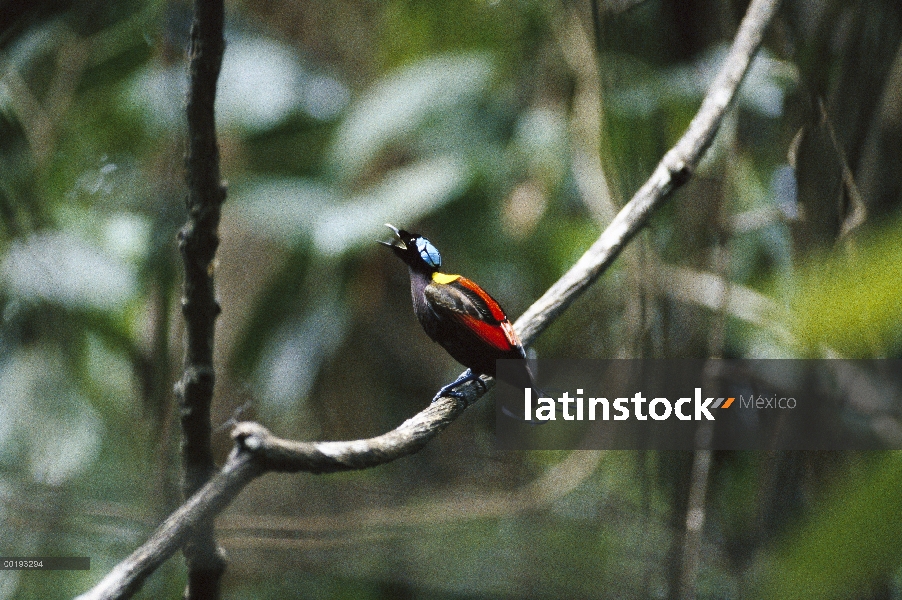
458,314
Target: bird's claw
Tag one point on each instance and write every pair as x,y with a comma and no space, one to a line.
451,393
449,390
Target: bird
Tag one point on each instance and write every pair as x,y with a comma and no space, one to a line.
459,315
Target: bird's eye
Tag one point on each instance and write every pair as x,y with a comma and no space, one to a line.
429,253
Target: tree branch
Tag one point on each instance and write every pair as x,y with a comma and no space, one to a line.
257,451
673,171
198,241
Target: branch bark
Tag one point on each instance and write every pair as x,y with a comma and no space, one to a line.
198,241
257,451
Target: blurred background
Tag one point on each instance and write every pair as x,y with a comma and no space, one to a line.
509,132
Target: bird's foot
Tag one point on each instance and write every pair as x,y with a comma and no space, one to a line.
448,390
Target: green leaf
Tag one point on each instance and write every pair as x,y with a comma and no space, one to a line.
293,210
852,540
58,267
396,107
45,426
851,300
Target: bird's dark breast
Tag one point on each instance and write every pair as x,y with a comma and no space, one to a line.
425,316
466,347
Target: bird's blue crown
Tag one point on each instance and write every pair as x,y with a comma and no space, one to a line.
429,253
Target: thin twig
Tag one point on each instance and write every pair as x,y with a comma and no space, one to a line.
690,559
257,451
198,241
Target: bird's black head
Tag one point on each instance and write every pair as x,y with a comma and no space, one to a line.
415,250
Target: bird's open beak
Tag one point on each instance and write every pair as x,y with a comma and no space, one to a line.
394,243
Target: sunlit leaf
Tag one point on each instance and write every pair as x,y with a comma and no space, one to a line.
284,209
542,138
295,209
762,91
852,539
404,195
44,424
159,94
397,106
293,360
263,81
127,235
57,267
851,301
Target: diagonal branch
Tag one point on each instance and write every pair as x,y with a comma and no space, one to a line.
674,170
257,451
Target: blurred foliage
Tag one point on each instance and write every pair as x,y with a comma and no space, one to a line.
490,128
852,529
857,292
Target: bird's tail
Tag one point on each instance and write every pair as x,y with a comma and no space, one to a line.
522,379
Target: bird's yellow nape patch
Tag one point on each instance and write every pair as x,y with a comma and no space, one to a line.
444,277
